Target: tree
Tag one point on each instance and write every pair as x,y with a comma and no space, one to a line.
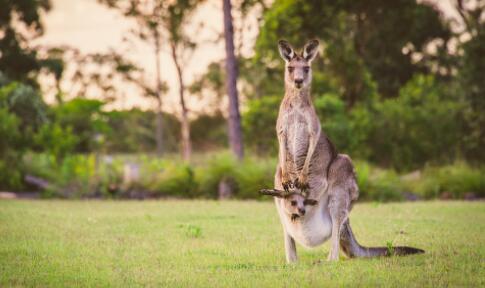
210,85
158,20
149,16
19,23
175,19
364,42
235,131
471,82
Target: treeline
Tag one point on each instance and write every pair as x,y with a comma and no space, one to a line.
397,84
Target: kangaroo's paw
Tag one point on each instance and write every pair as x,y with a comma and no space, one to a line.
286,183
302,182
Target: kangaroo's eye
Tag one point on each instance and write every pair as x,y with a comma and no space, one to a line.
293,203
290,69
306,69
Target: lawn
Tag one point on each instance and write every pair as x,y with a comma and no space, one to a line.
225,244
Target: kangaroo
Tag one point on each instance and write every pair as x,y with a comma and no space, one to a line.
315,186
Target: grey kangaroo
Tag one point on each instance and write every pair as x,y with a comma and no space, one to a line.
314,186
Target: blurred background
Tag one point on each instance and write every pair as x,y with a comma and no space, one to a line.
145,98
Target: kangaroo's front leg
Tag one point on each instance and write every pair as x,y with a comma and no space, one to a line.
314,136
285,179
290,249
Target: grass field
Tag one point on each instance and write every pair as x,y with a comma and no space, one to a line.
226,244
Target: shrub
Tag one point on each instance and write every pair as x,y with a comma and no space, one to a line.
456,179
420,126
377,184
220,166
254,174
175,179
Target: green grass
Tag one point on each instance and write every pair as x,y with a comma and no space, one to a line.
226,244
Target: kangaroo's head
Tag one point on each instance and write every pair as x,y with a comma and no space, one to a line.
294,203
298,72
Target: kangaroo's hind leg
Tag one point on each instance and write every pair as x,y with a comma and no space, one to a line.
342,191
338,208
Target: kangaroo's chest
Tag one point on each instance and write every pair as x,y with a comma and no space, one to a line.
296,128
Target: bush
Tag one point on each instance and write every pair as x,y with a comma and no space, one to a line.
252,175
377,184
86,176
420,126
457,179
175,179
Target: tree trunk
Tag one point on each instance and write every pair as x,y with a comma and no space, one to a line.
159,116
234,125
185,124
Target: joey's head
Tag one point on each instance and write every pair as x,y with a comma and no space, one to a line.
298,71
295,204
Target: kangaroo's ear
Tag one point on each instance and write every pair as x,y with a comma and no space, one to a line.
310,202
310,50
273,192
286,51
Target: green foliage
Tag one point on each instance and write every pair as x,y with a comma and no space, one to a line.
347,130
17,59
10,176
132,131
219,167
208,132
91,175
472,87
358,38
378,184
26,103
457,179
174,179
86,119
56,140
259,122
415,128
22,112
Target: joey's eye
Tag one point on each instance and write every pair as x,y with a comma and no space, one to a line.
306,69
293,203
290,69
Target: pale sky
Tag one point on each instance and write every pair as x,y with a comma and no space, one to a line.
91,27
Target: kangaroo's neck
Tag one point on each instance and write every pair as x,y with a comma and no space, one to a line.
295,96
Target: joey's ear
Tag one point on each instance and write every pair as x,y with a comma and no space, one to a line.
310,50
310,202
273,192
286,51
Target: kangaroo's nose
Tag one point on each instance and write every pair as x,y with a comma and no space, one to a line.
302,211
298,81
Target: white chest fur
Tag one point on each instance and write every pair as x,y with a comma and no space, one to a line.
311,230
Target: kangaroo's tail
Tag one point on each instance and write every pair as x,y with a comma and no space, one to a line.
352,248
